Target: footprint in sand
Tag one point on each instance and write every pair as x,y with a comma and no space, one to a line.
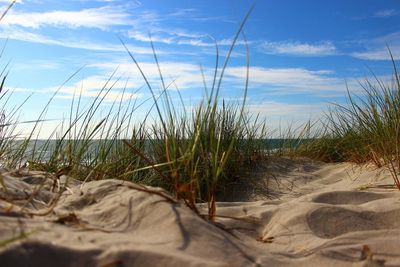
347,197
332,221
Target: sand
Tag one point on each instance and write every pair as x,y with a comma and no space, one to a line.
311,214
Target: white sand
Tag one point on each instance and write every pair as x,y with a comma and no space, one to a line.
320,215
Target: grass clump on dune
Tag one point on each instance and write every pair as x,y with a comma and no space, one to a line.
367,129
194,154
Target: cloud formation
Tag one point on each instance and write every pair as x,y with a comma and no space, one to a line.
101,18
27,36
378,48
380,53
386,13
92,86
298,48
291,79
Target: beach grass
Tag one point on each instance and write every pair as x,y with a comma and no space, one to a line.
194,153
366,129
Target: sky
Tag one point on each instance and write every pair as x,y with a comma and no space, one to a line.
303,54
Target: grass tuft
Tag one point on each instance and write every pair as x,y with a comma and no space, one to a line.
194,154
367,129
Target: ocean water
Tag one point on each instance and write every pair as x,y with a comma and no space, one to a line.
43,149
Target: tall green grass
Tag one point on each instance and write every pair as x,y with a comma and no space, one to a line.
194,153
367,129
194,156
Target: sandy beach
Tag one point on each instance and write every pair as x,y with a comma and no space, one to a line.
199,133
315,214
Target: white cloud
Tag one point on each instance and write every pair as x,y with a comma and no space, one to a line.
92,86
281,109
142,37
281,116
381,53
298,48
9,1
377,48
171,36
140,23
290,79
183,75
273,81
18,90
180,37
386,13
101,18
26,36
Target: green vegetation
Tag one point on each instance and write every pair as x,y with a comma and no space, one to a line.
194,154
365,130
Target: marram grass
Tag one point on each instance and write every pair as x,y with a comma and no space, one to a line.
367,129
193,154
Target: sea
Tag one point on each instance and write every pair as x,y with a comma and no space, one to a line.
43,149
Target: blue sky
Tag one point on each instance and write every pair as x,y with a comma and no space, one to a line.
302,52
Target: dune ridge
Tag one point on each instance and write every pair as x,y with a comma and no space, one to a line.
316,214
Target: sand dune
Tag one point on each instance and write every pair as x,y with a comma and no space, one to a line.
314,214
